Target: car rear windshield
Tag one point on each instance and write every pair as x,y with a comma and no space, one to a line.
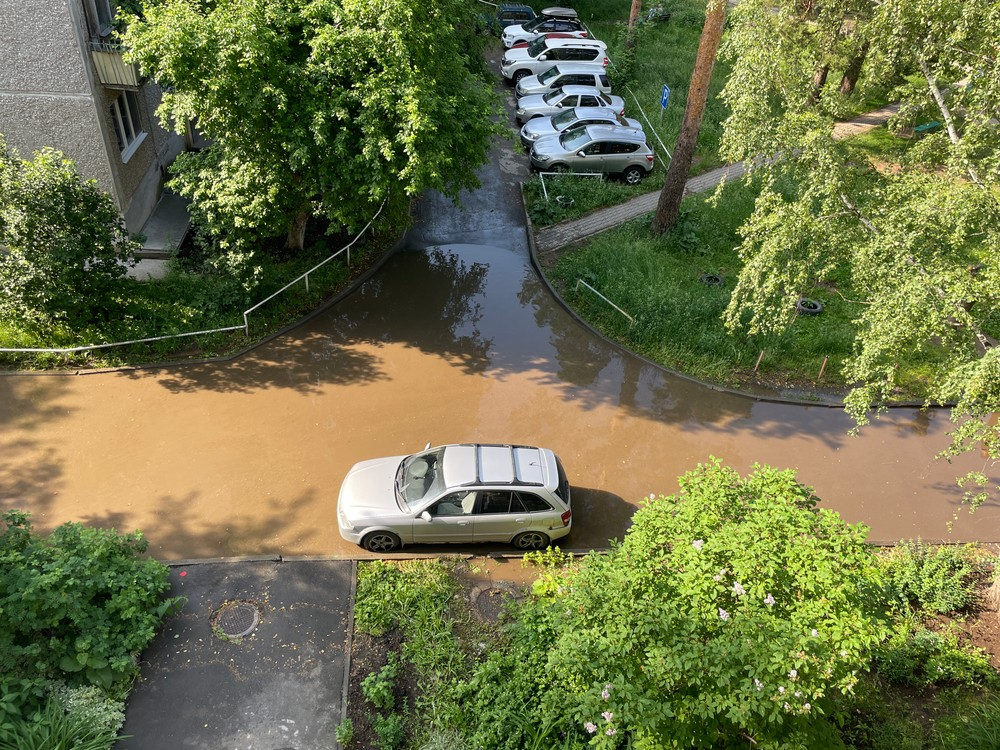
562,491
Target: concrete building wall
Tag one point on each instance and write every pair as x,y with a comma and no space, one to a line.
50,95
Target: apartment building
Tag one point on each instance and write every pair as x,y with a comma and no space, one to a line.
63,84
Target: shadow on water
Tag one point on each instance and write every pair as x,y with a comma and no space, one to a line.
31,472
187,527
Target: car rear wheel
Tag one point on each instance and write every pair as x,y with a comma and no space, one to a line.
632,176
381,541
531,540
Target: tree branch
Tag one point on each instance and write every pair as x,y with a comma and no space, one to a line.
949,121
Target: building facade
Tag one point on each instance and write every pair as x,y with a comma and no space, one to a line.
63,84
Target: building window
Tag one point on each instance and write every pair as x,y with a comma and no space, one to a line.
125,118
105,15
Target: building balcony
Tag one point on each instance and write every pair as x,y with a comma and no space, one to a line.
112,71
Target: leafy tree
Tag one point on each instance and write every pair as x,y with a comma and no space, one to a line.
321,106
64,247
735,612
917,244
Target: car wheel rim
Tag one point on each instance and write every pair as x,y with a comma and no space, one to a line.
381,543
632,178
531,541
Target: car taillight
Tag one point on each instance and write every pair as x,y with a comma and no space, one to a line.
649,158
566,517
622,112
606,61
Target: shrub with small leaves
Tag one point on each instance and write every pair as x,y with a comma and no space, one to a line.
345,732
390,731
935,578
916,655
379,687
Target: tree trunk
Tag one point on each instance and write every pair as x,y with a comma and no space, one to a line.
633,16
853,71
673,189
296,238
818,82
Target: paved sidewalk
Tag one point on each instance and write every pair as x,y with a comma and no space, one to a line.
280,687
559,235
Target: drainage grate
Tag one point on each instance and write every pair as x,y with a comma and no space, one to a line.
236,619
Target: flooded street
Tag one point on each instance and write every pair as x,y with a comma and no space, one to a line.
454,339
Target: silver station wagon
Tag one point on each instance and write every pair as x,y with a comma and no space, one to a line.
565,74
515,494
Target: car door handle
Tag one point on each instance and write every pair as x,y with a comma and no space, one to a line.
520,520
463,523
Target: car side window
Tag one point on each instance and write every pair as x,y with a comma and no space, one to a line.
579,79
454,504
590,101
532,502
571,101
494,501
624,148
604,80
594,149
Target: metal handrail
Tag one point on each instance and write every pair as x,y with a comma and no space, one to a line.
246,313
577,288
541,178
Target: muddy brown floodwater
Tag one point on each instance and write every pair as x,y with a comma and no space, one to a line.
446,343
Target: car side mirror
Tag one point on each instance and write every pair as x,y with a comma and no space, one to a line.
543,57
581,153
426,516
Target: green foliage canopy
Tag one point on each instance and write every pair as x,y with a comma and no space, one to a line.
64,248
315,104
734,610
918,242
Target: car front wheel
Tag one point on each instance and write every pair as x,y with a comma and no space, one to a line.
381,541
632,176
519,75
531,540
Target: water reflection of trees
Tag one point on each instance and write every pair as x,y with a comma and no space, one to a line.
430,300
601,372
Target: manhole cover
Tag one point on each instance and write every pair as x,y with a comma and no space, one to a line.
236,619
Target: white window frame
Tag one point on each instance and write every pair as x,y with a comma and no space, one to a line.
127,124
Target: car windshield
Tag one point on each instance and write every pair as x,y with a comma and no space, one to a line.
534,24
537,47
574,140
553,96
564,118
419,476
549,74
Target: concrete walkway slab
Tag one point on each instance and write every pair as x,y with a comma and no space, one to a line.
279,688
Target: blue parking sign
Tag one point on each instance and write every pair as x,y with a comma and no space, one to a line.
665,96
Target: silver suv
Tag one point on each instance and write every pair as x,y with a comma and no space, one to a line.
542,53
565,74
596,148
554,102
574,117
457,493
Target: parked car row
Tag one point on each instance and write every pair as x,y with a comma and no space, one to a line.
570,120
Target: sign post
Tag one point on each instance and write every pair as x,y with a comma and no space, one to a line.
664,98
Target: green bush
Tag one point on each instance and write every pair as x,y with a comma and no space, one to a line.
55,729
390,731
917,655
78,604
379,687
345,732
734,612
92,705
935,578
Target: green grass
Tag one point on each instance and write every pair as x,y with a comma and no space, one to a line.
657,280
185,301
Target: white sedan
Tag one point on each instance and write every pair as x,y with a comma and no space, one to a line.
457,493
